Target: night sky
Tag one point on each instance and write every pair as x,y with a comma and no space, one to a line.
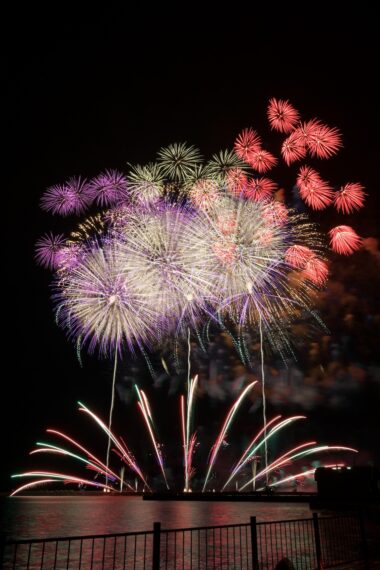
89,91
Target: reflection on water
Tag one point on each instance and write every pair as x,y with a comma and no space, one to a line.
38,517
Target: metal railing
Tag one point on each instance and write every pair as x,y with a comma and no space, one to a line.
309,543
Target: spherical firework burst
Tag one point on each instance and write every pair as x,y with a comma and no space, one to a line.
282,115
100,306
322,141
178,161
47,250
108,188
344,240
165,250
246,143
293,148
316,192
222,163
146,183
349,198
261,160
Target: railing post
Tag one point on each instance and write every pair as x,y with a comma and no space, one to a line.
3,538
317,540
364,541
255,558
156,546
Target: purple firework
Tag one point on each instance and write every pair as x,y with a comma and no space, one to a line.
47,250
73,197
109,188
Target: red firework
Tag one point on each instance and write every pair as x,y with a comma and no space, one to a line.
344,240
261,160
316,271
322,141
298,255
236,181
317,193
276,213
293,148
349,198
248,141
282,115
260,189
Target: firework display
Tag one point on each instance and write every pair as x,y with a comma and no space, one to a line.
183,242
107,479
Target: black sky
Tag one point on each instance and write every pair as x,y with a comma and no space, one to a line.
94,90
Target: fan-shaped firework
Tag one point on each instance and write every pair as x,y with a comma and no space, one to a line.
344,240
178,161
108,188
99,306
282,115
47,248
349,198
190,442
146,183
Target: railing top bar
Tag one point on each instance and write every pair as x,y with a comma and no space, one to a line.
84,537
195,528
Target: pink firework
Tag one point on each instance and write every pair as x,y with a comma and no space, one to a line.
68,256
350,197
47,249
108,188
344,240
260,189
322,141
236,181
293,148
282,115
317,193
225,251
81,191
261,160
70,198
297,256
246,143
58,200
316,271
203,194
276,213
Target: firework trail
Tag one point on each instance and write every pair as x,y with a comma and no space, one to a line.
189,440
223,432
147,415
